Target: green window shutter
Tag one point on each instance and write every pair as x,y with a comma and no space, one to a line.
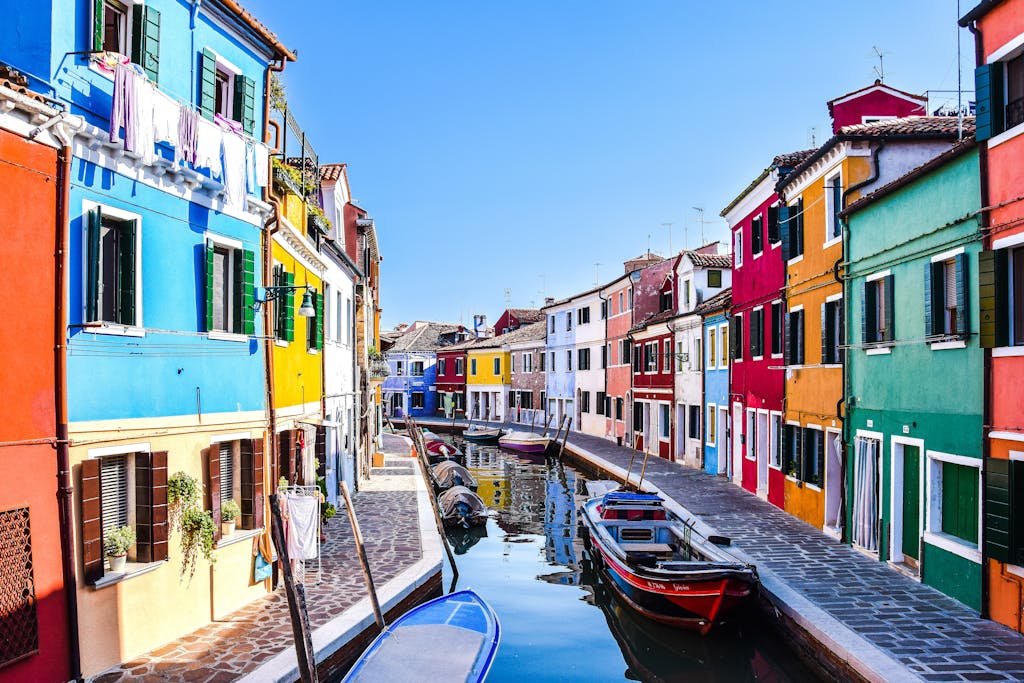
788,348
289,308
988,92
960,501
318,304
208,287
93,222
960,266
97,25
890,301
146,40
868,312
773,223
993,313
932,309
126,275
999,509
799,238
247,288
207,84
279,308
245,103
782,225
826,356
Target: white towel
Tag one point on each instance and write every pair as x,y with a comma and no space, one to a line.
302,527
208,145
145,99
234,171
165,119
261,161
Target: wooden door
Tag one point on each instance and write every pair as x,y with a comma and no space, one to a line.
911,501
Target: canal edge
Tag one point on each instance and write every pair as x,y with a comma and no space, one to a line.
338,642
832,647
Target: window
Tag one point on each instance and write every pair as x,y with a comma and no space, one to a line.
341,321
568,320
773,225
442,367
551,324
694,417
791,222
584,315
497,366
606,351
832,332
113,288
756,235
114,27
946,297
417,400
526,399
757,333
1015,91
714,278
623,351
618,408
604,310
1001,273
712,348
224,91
723,361
778,320
512,360
225,81
775,442
697,348
585,401
399,367
665,301
552,354
638,418
1000,96
685,303
651,356
750,435
460,367
737,248
416,368
795,338
666,365
712,418
602,403
665,421
528,362
629,300
228,285
791,449
637,350
833,205
621,308
315,323
733,332
584,359
952,514
472,367
568,361
812,468
542,358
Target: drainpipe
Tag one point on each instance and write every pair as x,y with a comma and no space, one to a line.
987,403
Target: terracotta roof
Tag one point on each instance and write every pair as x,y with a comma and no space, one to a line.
424,337
718,302
331,171
907,128
258,26
654,319
877,84
532,332
527,315
912,175
782,161
709,260
791,159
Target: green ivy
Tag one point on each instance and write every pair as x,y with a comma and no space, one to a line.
182,494
197,530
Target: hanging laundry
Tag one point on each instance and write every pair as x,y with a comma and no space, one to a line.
303,531
188,131
123,106
166,113
234,171
228,124
145,99
250,167
209,139
261,161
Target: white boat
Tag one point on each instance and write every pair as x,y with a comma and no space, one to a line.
527,442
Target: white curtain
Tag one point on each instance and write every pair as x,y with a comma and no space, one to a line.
865,494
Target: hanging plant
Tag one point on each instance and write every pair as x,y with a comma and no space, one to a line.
197,531
182,494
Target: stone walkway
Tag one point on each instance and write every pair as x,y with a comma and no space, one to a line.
228,649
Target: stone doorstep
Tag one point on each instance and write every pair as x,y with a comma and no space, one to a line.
332,636
866,659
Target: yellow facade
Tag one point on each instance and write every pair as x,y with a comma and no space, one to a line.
121,621
298,369
485,367
813,390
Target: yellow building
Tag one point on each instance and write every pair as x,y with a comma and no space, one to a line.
488,379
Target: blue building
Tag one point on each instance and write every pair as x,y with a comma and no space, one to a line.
165,358
717,358
560,347
411,388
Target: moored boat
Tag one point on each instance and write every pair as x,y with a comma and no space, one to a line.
482,434
461,507
527,442
438,450
660,566
450,473
451,638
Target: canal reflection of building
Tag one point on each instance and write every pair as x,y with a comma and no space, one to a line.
560,515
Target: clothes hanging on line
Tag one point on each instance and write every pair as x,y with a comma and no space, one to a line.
303,528
123,111
188,132
209,137
166,119
234,171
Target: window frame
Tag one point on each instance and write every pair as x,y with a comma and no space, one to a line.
711,422
137,328
757,238
833,205
737,247
933,533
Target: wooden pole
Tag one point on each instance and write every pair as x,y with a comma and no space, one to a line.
546,423
364,563
643,469
565,437
558,434
427,475
636,439
296,595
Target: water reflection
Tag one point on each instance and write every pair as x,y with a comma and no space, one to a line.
559,620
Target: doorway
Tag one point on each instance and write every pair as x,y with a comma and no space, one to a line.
905,543
722,440
761,454
737,443
680,449
833,482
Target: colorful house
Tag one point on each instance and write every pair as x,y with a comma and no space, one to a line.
411,388
757,380
450,378
591,361
512,319
913,479
560,345
715,323
998,27
856,160
36,550
488,378
165,354
527,357
618,296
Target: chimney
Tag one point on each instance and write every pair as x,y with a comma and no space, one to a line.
479,326
548,300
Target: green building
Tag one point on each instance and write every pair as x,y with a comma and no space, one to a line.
914,373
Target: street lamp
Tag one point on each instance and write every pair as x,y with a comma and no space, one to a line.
266,294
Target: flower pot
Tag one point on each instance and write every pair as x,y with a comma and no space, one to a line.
117,562
227,529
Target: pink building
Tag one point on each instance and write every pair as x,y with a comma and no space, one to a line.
618,374
757,382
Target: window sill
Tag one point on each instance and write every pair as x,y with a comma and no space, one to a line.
832,242
1006,136
943,345
114,329
132,569
879,351
953,545
280,343
1008,351
755,358
238,537
795,260
812,487
750,458
221,335
777,468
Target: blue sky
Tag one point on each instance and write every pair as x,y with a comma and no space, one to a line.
514,145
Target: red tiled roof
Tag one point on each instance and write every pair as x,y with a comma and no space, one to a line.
331,171
527,315
791,159
258,26
654,319
710,260
718,302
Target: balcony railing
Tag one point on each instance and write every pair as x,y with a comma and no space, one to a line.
379,368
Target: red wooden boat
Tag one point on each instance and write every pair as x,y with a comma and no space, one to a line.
440,450
660,566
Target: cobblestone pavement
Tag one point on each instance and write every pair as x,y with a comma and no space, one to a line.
238,644
934,636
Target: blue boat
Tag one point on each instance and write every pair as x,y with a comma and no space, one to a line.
451,638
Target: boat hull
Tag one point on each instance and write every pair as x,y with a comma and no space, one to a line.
482,435
524,445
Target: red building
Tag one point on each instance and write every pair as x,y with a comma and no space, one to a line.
34,638
451,377
757,384
514,318
876,102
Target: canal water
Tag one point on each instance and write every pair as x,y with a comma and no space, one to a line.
559,620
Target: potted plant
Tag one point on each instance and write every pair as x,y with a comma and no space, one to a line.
229,512
116,544
196,537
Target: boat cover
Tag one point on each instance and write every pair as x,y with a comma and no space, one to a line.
439,652
460,494
449,473
627,497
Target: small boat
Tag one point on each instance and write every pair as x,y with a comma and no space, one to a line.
431,436
450,473
460,506
527,442
451,638
660,566
482,434
438,451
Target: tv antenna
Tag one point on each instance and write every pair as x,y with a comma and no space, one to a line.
597,274
669,236
508,297
812,135
700,219
880,69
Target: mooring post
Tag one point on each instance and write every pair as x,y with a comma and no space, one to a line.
565,437
364,563
296,595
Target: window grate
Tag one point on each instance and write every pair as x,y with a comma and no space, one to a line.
227,472
18,622
113,492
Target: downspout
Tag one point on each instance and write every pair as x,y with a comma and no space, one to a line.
987,403
876,170
356,393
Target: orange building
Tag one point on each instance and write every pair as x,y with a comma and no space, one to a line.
998,27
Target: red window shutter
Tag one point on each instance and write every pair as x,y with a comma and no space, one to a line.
158,465
143,507
92,531
213,486
321,450
252,483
